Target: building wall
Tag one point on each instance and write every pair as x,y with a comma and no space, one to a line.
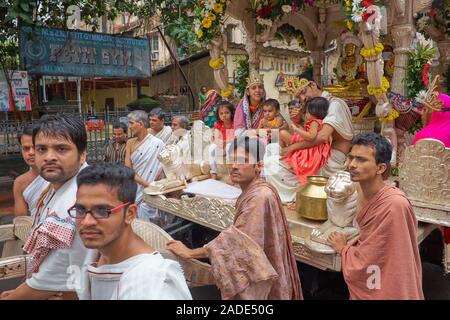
198,73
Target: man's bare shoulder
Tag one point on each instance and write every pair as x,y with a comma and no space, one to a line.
22,181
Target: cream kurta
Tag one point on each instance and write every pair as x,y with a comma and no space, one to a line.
146,276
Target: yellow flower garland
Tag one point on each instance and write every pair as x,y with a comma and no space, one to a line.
200,33
228,92
217,63
206,23
378,91
218,8
370,53
394,115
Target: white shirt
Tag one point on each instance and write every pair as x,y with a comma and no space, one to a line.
142,277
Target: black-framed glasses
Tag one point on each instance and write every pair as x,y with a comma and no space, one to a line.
96,213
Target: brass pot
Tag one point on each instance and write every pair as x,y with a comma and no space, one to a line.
312,200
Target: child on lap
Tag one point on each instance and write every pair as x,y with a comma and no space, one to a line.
307,162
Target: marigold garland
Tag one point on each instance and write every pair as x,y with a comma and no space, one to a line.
217,63
371,53
394,115
228,92
206,22
378,91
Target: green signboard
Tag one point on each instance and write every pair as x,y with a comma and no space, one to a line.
60,52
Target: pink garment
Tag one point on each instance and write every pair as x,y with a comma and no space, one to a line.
439,126
384,263
243,118
260,216
307,162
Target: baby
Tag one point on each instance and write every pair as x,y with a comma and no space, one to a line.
272,119
307,162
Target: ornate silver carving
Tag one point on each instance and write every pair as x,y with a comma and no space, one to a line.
211,211
425,172
218,215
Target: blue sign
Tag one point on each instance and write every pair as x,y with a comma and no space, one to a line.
60,52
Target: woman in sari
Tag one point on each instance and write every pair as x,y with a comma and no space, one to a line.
249,113
209,109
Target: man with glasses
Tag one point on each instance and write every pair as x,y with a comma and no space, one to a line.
338,127
122,266
53,247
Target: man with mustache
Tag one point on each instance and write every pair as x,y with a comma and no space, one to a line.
122,266
384,263
54,248
157,128
28,186
254,258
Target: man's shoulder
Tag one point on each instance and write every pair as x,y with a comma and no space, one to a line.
393,200
22,181
152,265
156,140
131,141
265,191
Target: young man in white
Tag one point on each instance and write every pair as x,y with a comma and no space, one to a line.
28,186
123,266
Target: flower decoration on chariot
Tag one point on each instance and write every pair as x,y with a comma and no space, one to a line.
254,79
294,85
430,97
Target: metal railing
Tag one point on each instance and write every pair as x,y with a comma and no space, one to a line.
97,139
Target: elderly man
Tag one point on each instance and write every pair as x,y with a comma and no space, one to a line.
180,125
384,263
141,155
60,143
157,127
254,258
179,122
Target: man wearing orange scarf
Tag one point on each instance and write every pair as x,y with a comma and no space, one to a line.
254,258
384,263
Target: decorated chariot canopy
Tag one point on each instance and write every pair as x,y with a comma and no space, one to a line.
371,36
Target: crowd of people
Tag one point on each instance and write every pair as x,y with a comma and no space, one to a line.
82,213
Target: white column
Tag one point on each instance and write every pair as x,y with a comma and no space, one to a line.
402,36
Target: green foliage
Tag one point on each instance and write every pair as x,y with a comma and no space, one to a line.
417,59
242,73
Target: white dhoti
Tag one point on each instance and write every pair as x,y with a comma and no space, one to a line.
145,163
336,162
279,174
32,193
